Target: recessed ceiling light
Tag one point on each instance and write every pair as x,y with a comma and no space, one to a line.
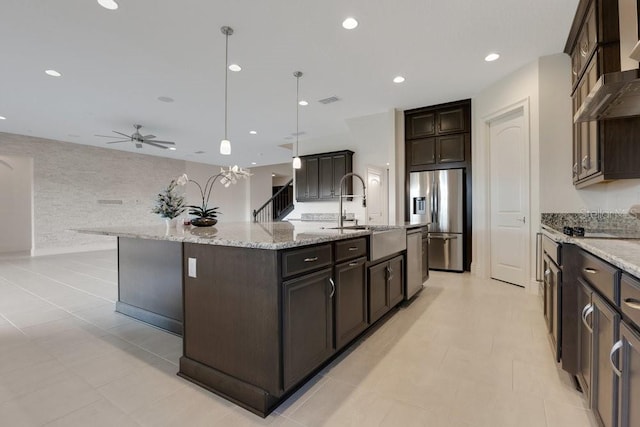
349,23
53,73
253,163
172,148
165,99
253,132
303,103
492,57
108,4
235,67
273,174
398,79
3,118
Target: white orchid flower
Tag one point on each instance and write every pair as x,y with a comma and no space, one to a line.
182,179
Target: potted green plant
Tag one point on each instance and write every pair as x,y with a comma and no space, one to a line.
169,203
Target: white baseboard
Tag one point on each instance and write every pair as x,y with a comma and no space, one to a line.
534,287
72,249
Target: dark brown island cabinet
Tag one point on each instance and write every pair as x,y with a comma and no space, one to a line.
601,335
259,322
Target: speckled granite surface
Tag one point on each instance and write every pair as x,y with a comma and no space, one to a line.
591,220
623,253
275,235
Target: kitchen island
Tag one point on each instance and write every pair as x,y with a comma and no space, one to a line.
264,306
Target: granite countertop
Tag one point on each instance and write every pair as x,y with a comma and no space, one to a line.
623,253
274,235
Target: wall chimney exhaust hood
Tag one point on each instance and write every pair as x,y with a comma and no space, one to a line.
617,95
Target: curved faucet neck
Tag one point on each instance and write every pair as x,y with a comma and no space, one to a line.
364,195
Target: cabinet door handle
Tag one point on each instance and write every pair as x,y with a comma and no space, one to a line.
585,162
589,270
574,70
312,259
575,169
333,288
584,48
353,248
617,346
587,310
547,273
633,303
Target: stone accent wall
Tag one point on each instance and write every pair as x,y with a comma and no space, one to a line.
83,186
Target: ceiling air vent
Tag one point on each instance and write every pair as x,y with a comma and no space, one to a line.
329,100
288,146
199,152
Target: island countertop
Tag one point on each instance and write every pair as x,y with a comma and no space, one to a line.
272,235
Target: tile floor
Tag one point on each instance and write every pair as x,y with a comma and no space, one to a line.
467,352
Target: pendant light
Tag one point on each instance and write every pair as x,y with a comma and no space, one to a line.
225,144
297,163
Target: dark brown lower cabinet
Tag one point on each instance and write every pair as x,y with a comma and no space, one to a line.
385,286
350,300
307,324
630,377
604,390
584,312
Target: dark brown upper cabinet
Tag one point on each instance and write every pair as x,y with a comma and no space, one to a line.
603,150
439,136
320,175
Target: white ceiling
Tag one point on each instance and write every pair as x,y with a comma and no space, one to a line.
115,64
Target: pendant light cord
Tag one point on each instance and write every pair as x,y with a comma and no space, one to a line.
226,78
297,109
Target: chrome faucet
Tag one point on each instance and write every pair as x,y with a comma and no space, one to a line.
341,196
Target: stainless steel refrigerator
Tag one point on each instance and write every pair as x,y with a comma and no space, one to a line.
436,197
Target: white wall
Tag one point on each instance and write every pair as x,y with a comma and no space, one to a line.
16,216
372,139
520,85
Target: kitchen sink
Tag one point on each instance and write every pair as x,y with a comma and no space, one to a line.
385,242
348,227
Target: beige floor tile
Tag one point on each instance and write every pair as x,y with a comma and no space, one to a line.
98,414
143,387
562,415
21,381
55,400
330,397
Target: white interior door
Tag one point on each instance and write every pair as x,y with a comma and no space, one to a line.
509,190
377,203
16,175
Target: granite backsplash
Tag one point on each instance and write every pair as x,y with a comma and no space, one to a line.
591,221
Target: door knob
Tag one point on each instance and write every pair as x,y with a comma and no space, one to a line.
522,220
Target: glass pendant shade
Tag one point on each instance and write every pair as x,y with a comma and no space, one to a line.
297,163
225,147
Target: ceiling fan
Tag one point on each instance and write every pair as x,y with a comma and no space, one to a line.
138,139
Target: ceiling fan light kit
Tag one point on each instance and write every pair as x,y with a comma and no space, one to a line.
225,144
297,163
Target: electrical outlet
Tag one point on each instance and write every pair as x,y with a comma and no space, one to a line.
192,268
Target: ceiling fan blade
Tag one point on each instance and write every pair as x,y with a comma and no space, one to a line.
154,144
148,137
107,136
123,134
163,142
114,142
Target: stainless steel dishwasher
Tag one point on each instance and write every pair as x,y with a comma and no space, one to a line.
414,262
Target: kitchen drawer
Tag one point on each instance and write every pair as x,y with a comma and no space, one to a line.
552,249
298,261
599,274
630,298
349,249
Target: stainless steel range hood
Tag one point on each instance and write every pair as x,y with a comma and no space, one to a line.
617,95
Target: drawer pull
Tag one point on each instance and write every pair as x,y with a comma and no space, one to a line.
590,270
617,346
312,259
353,264
587,310
353,248
547,273
633,303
